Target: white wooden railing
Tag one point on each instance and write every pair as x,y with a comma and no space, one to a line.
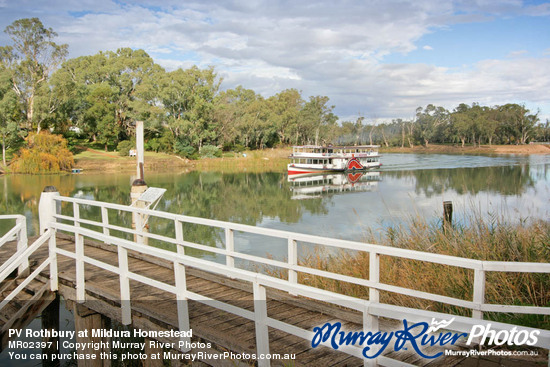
20,259
18,233
54,219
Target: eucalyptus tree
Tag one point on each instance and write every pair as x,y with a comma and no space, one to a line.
104,94
33,56
317,123
10,112
430,122
285,109
188,99
242,115
517,122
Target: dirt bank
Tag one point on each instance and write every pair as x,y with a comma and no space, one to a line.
483,149
93,161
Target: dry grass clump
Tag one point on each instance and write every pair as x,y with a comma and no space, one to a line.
494,241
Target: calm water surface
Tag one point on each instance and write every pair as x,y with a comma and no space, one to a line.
342,206
408,185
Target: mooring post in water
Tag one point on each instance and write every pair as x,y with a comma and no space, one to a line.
140,149
50,321
447,213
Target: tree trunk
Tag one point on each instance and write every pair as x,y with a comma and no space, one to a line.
463,140
30,112
370,135
317,136
4,149
385,140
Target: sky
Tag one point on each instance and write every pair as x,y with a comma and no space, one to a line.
378,59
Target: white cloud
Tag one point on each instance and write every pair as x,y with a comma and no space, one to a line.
319,47
518,53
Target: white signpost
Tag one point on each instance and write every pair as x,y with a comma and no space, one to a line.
150,198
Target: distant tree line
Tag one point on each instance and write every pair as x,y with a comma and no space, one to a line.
98,98
507,124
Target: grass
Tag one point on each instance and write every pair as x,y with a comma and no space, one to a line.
481,239
250,161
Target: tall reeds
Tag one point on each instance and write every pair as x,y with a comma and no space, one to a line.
493,239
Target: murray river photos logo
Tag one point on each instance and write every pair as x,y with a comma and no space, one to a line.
417,336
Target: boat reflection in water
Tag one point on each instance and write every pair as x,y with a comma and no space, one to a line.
307,186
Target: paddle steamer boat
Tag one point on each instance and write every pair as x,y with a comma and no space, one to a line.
315,158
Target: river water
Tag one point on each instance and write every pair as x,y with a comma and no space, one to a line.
333,205
343,206
407,186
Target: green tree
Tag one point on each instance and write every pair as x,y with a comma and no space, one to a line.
35,56
285,110
100,116
188,98
430,122
317,123
109,91
10,113
517,122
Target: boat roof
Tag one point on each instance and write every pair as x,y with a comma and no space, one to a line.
336,146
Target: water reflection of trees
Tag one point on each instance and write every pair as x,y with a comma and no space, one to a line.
246,198
503,180
238,197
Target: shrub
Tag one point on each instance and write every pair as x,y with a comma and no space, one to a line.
44,153
210,151
181,147
124,147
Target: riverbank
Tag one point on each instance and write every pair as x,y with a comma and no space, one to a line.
483,149
94,161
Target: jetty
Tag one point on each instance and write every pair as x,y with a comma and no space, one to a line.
228,302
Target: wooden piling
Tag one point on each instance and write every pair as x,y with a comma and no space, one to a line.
50,321
87,319
447,213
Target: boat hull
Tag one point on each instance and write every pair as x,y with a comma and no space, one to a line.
294,169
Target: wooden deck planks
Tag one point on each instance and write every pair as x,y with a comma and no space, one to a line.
220,327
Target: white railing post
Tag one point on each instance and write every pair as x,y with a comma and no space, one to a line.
374,294
479,292
180,248
260,319
79,254
370,323
181,289
292,260
22,243
105,222
76,214
230,247
182,306
125,304
54,276
139,229
47,207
